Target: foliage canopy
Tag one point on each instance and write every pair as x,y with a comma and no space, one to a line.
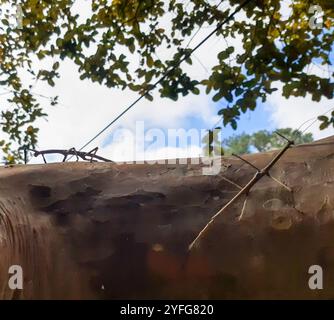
275,49
263,140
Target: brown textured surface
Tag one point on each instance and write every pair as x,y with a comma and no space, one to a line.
82,230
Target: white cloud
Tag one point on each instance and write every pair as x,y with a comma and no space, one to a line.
293,112
87,107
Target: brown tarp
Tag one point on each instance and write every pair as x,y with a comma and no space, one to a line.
101,230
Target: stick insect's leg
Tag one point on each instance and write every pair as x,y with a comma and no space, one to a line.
243,207
44,158
75,153
93,153
279,182
231,182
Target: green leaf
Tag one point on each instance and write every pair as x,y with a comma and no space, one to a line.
149,97
55,65
51,82
59,42
230,50
217,96
238,91
324,125
323,118
223,55
149,61
229,97
195,91
132,48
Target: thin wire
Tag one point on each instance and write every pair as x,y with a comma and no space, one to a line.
202,65
187,55
316,119
313,122
216,124
194,35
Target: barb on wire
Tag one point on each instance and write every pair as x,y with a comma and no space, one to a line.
244,191
90,156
